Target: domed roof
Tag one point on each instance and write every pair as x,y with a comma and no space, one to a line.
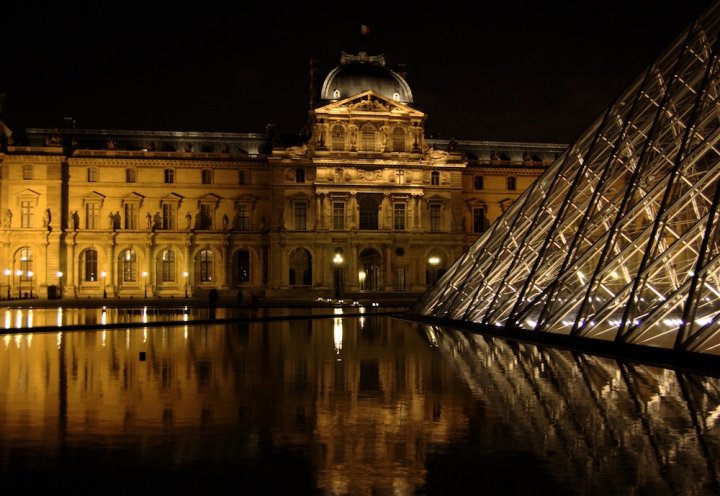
362,72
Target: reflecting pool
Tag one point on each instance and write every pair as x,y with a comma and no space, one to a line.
344,405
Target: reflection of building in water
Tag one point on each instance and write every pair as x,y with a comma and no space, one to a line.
656,430
368,402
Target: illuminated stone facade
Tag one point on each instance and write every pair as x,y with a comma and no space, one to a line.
364,204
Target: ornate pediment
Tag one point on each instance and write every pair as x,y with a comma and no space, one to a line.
368,101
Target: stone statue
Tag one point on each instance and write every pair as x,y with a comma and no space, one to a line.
148,219
188,221
225,221
47,217
7,220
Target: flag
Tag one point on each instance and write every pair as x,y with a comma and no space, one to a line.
364,29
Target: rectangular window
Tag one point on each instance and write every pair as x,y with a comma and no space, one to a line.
129,266
478,220
92,174
435,217
131,213
479,182
435,178
168,216
400,176
207,176
26,213
299,175
243,177
399,216
300,216
243,218
130,175
92,216
27,171
169,176
511,183
338,215
206,215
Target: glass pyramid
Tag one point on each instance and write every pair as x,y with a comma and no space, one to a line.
619,239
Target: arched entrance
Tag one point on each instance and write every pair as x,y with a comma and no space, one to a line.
300,268
369,269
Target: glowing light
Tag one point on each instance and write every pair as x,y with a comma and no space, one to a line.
434,260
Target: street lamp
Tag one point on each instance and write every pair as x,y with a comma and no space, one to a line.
337,261
145,274
60,287
7,274
103,274
30,275
185,274
18,273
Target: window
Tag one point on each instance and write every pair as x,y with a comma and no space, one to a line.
26,263
479,220
92,174
300,209
338,215
242,266
243,177
169,176
479,182
131,216
435,178
338,138
167,266
27,171
26,213
206,216
207,176
368,138
129,266
206,266
90,266
92,215
299,175
399,216
435,224
511,183
398,140
369,206
243,218
130,175
168,216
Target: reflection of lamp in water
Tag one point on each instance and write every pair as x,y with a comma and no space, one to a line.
7,274
145,274
338,331
103,274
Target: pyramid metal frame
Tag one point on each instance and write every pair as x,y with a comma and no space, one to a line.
619,239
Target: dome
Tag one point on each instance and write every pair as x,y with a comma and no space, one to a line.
362,72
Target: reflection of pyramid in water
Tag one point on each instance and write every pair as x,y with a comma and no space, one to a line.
620,238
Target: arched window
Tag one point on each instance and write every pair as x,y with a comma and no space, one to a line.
368,138
338,138
242,266
128,265
26,263
167,266
300,268
206,266
398,139
90,265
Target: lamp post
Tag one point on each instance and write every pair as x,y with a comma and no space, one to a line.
145,274
18,273
337,262
60,287
185,274
7,275
103,274
30,275
434,261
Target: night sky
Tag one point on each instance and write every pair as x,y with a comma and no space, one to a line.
537,72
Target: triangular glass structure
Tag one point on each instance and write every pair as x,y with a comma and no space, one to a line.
619,239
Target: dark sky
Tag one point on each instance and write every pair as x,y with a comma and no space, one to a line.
539,71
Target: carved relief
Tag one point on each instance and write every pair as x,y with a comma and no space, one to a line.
370,175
